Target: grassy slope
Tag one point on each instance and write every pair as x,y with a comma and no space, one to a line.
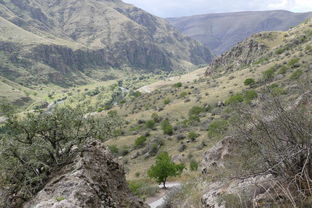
207,90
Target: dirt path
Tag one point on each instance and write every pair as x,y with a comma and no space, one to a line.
159,200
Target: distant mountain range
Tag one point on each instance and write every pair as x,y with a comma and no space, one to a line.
67,42
220,32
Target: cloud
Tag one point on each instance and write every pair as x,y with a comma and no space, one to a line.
171,8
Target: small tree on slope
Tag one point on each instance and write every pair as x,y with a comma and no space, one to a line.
163,168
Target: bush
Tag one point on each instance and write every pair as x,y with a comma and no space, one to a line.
140,141
234,99
167,101
293,61
296,74
114,149
249,82
166,127
268,74
250,95
280,51
183,94
193,165
282,70
192,135
195,110
141,189
217,128
177,85
150,124
156,117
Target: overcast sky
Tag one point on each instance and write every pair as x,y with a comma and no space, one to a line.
176,8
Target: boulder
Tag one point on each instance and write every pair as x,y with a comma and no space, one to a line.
93,179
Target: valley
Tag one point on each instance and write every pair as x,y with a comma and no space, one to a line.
95,94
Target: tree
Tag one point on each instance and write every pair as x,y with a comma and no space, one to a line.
163,168
37,143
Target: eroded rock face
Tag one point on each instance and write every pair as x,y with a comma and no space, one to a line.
216,156
93,180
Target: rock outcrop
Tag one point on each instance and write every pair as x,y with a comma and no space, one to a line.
92,180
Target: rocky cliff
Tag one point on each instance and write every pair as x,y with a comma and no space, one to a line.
92,180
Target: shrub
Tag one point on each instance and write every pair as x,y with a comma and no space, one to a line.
192,135
114,149
167,127
156,117
282,70
234,99
249,82
250,95
293,61
280,51
195,110
141,189
193,165
177,85
150,124
296,74
167,101
136,94
268,74
183,94
140,142
217,128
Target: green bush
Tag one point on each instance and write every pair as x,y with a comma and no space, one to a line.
140,141
217,128
296,74
280,51
114,149
166,127
192,135
249,82
150,124
183,94
282,70
268,74
177,85
167,101
193,165
136,94
234,99
156,117
250,95
293,61
141,189
195,110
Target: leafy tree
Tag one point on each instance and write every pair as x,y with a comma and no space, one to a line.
37,143
163,168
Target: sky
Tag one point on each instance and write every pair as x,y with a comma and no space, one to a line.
178,8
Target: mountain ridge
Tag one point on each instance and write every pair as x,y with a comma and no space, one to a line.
221,31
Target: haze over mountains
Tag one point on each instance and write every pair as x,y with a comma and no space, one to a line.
67,42
221,31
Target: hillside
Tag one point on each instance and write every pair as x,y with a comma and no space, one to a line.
220,32
68,43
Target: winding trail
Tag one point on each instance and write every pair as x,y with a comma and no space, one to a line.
160,201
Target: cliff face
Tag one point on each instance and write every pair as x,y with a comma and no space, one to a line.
67,36
93,180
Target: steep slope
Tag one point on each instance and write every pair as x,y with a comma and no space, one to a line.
222,31
65,42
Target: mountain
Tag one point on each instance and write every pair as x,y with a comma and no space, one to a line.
70,42
222,31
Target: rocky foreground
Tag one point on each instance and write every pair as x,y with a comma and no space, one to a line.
92,180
